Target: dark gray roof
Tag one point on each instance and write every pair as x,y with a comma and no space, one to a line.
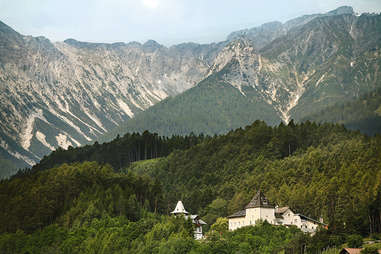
195,219
303,217
259,200
238,214
279,215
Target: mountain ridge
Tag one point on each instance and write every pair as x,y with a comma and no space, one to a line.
67,93
70,93
327,60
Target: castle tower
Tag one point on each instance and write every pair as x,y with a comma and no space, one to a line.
259,208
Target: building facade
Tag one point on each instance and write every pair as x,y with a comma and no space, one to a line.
196,220
259,208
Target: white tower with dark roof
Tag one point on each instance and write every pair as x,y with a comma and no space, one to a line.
259,208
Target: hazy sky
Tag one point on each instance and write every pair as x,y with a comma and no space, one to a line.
166,21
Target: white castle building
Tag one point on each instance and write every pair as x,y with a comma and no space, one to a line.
196,220
259,208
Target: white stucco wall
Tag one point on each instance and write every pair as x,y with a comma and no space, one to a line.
309,226
289,218
267,214
198,233
235,223
252,215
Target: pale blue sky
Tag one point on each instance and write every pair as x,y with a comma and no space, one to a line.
166,21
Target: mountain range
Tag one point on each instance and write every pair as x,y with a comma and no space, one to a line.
330,59
71,93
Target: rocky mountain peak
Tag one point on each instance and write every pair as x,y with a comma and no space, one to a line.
235,51
342,10
152,45
241,42
261,35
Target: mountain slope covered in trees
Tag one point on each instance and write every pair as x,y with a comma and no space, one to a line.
319,170
121,152
362,114
212,107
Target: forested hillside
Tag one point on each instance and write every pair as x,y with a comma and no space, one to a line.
362,114
74,194
319,170
212,107
120,152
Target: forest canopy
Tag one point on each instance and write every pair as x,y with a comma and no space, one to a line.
319,170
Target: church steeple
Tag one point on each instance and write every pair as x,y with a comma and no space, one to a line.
179,209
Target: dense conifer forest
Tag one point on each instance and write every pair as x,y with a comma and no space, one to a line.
362,114
319,170
120,152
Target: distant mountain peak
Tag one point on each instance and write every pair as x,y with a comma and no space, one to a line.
342,10
267,32
74,42
84,44
152,44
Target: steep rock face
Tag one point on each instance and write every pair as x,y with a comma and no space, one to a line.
262,35
68,93
276,83
266,33
330,59
336,56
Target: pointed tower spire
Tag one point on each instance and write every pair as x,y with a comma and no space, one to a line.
259,200
179,209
